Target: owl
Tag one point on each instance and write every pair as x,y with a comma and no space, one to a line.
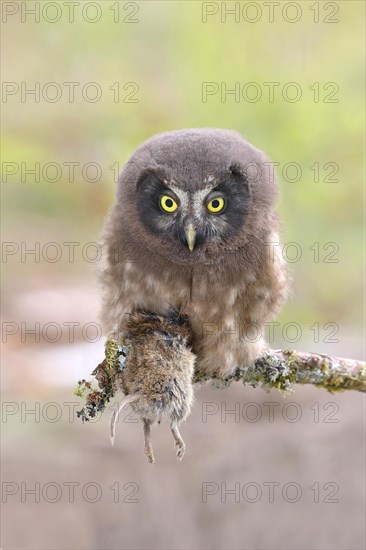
194,228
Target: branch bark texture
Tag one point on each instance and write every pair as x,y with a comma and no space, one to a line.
282,369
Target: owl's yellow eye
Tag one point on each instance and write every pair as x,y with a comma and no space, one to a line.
168,204
216,205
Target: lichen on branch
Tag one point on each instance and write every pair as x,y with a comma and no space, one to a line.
282,369
107,374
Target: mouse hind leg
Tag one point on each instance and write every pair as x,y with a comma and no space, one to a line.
179,443
148,447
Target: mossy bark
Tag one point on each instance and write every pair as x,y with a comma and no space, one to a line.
281,369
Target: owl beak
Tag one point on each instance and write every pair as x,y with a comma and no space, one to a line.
190,236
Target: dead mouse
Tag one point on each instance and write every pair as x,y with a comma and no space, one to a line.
157,376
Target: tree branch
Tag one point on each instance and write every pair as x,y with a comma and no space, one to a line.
282,369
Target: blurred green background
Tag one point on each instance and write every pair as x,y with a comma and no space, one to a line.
161,54
169,53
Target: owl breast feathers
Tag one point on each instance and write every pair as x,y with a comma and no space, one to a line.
194,227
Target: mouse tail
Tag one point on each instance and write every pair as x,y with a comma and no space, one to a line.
125,401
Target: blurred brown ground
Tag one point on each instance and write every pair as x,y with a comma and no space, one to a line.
325,446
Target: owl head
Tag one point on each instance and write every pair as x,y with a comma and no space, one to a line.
192,195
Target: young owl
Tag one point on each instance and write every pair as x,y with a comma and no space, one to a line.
193,227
